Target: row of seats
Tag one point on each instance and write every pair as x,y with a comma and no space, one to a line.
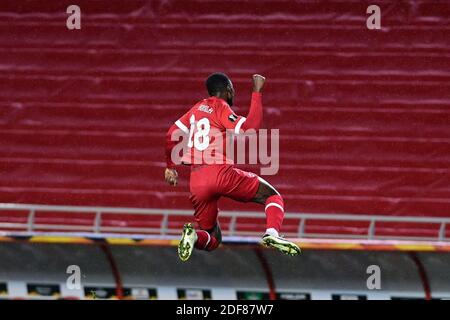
363,114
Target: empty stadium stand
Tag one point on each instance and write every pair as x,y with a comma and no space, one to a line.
364,115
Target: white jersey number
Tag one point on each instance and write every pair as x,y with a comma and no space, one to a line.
201,136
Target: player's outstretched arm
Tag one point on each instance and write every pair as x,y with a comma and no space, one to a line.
170,174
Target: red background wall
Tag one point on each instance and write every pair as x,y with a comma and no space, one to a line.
364,115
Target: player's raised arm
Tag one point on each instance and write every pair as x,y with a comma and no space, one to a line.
170,174
255,114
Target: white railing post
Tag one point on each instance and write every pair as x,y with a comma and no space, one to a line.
98,221
232,226
301,228
371,229
31,220
442,231
164,224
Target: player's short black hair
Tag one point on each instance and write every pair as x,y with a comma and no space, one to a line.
217,83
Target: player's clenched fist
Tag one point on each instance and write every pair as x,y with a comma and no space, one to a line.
258,82
171,176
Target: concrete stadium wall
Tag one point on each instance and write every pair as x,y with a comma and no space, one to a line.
245,272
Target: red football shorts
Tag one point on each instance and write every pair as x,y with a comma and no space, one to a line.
209,182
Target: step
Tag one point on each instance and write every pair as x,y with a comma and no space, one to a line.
319,12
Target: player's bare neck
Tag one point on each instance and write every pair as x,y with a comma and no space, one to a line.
219,96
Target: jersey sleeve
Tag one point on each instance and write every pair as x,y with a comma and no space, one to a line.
230,120
253,120
183,123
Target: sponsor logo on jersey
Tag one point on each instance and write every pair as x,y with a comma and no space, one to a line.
232,117
205,108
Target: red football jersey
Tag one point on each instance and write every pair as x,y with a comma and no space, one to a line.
206,125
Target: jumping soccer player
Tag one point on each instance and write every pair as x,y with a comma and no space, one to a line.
205,125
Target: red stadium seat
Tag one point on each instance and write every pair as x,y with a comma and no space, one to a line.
363,115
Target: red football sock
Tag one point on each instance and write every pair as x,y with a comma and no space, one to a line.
274,212
205,241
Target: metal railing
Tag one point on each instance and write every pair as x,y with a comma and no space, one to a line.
164,229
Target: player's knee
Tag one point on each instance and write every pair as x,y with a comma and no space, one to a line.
276,198
265,191
272,192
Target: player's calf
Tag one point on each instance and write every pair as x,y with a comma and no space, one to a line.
273,206
198,239
274,209
206,241
209,240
